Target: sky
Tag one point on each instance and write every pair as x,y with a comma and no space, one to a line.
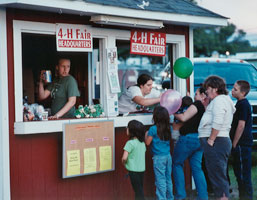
242,13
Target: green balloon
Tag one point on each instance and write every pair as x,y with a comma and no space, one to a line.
183,67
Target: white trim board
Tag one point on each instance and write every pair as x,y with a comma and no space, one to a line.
191,56
84,8
39,127
4,116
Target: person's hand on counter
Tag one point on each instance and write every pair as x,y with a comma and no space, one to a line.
71,102
56,116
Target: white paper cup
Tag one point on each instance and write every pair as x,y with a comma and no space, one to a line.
44,116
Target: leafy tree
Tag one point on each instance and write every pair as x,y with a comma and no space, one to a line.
222,39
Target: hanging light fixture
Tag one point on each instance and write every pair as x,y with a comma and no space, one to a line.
128,22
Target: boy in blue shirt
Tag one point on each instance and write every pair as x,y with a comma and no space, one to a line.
242,140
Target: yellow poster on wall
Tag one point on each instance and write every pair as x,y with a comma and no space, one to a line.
89,160
105,157
73,159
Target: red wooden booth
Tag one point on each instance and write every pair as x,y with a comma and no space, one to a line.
31,153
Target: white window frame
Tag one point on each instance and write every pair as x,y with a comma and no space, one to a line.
20,27
179,44
5,188
108,40
34,127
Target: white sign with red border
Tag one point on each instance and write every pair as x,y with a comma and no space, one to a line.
148,43
71,37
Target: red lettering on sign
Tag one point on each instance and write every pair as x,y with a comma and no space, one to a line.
88,36
148,43
60,33
77,33
69,33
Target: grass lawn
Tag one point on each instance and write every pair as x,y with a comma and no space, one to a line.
234,195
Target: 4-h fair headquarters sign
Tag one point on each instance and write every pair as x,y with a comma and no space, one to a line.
148,43
71,37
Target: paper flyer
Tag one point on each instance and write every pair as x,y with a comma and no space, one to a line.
89,160
73,162
105,157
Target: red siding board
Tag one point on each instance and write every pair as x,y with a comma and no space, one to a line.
25,169
51,147
41,170
38,170
122,181
36,160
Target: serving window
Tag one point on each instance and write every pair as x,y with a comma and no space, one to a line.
39,53
35,50
131,66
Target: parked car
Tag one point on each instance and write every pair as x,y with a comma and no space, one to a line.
229,69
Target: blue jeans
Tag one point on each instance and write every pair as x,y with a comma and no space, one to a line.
242,164
162,173
188,146
216,161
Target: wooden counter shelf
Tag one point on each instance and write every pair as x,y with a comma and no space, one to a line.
51,126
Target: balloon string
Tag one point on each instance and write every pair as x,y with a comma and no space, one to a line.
188,86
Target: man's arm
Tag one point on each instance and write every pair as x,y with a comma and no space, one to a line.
239,132
42,93
71,102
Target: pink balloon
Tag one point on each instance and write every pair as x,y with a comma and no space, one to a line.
171,100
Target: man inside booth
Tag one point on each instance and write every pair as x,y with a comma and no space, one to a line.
63,90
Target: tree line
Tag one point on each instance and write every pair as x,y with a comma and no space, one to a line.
220,39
